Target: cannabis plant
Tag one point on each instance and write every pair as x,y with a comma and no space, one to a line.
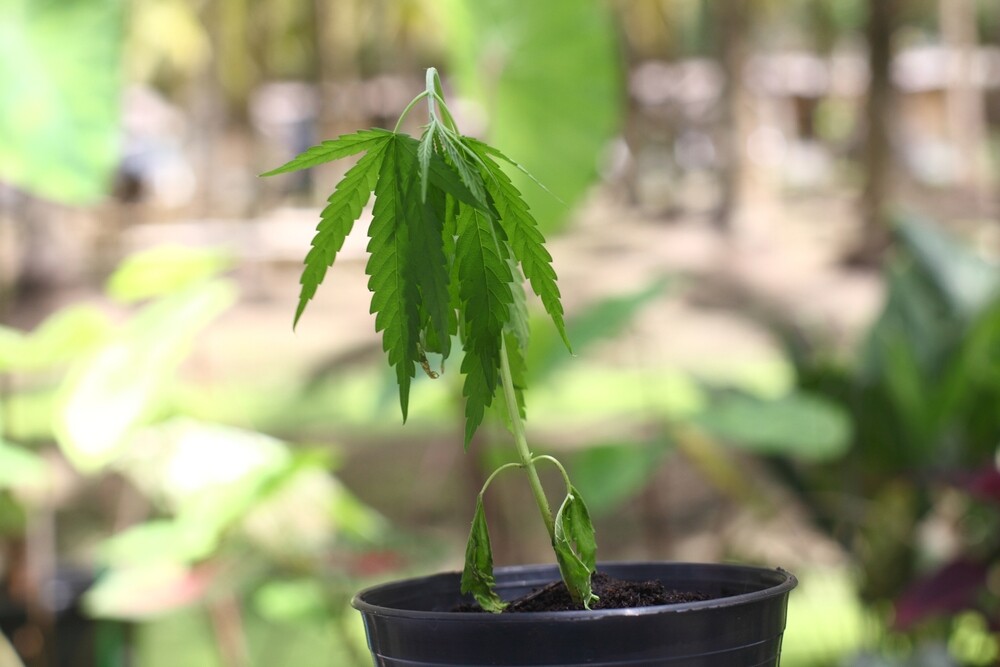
451,244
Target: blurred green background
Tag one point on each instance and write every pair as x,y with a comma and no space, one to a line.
776,224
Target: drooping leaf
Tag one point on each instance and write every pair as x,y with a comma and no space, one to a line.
477,577
526,240
484,280
518,373
519,324
479,388
343,209
428,265
575,547
484,288
395,297
334,149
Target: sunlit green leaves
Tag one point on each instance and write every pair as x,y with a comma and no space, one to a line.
575,547
451,242
477,577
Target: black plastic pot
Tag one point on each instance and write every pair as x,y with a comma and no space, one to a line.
409,623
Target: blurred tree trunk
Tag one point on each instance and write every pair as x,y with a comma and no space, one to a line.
733,22
875,233
966,106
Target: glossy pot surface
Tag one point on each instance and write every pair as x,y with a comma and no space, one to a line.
410,623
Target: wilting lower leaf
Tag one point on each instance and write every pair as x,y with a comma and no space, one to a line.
477,578
576,549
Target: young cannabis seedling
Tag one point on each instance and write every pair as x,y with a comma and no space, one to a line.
451,243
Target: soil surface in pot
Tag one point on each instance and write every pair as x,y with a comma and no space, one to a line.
613,593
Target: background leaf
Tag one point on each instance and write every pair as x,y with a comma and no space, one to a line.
59,102
164,270
799,425
548,74
110,394
610,474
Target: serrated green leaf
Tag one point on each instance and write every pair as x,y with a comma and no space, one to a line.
484,280
518,373
481,371
424,153
469,174
395,297
518,324
334,149
336,221
477,577
575,547
517,165
526,240
428,267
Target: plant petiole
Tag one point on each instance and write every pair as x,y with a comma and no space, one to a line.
408,108
489,480
553,460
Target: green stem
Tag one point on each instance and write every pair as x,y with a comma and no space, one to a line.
554,461
517,426
489,480
408,108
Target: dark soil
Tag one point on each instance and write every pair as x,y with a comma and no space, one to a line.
613,594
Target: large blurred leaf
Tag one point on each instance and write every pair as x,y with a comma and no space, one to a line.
965,280
19,466
548,77
799,425
294,601
147,591
60,339
59,101
609,474
601,320
122,384
159,541
165,270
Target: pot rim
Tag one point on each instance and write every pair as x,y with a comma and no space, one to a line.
782,588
